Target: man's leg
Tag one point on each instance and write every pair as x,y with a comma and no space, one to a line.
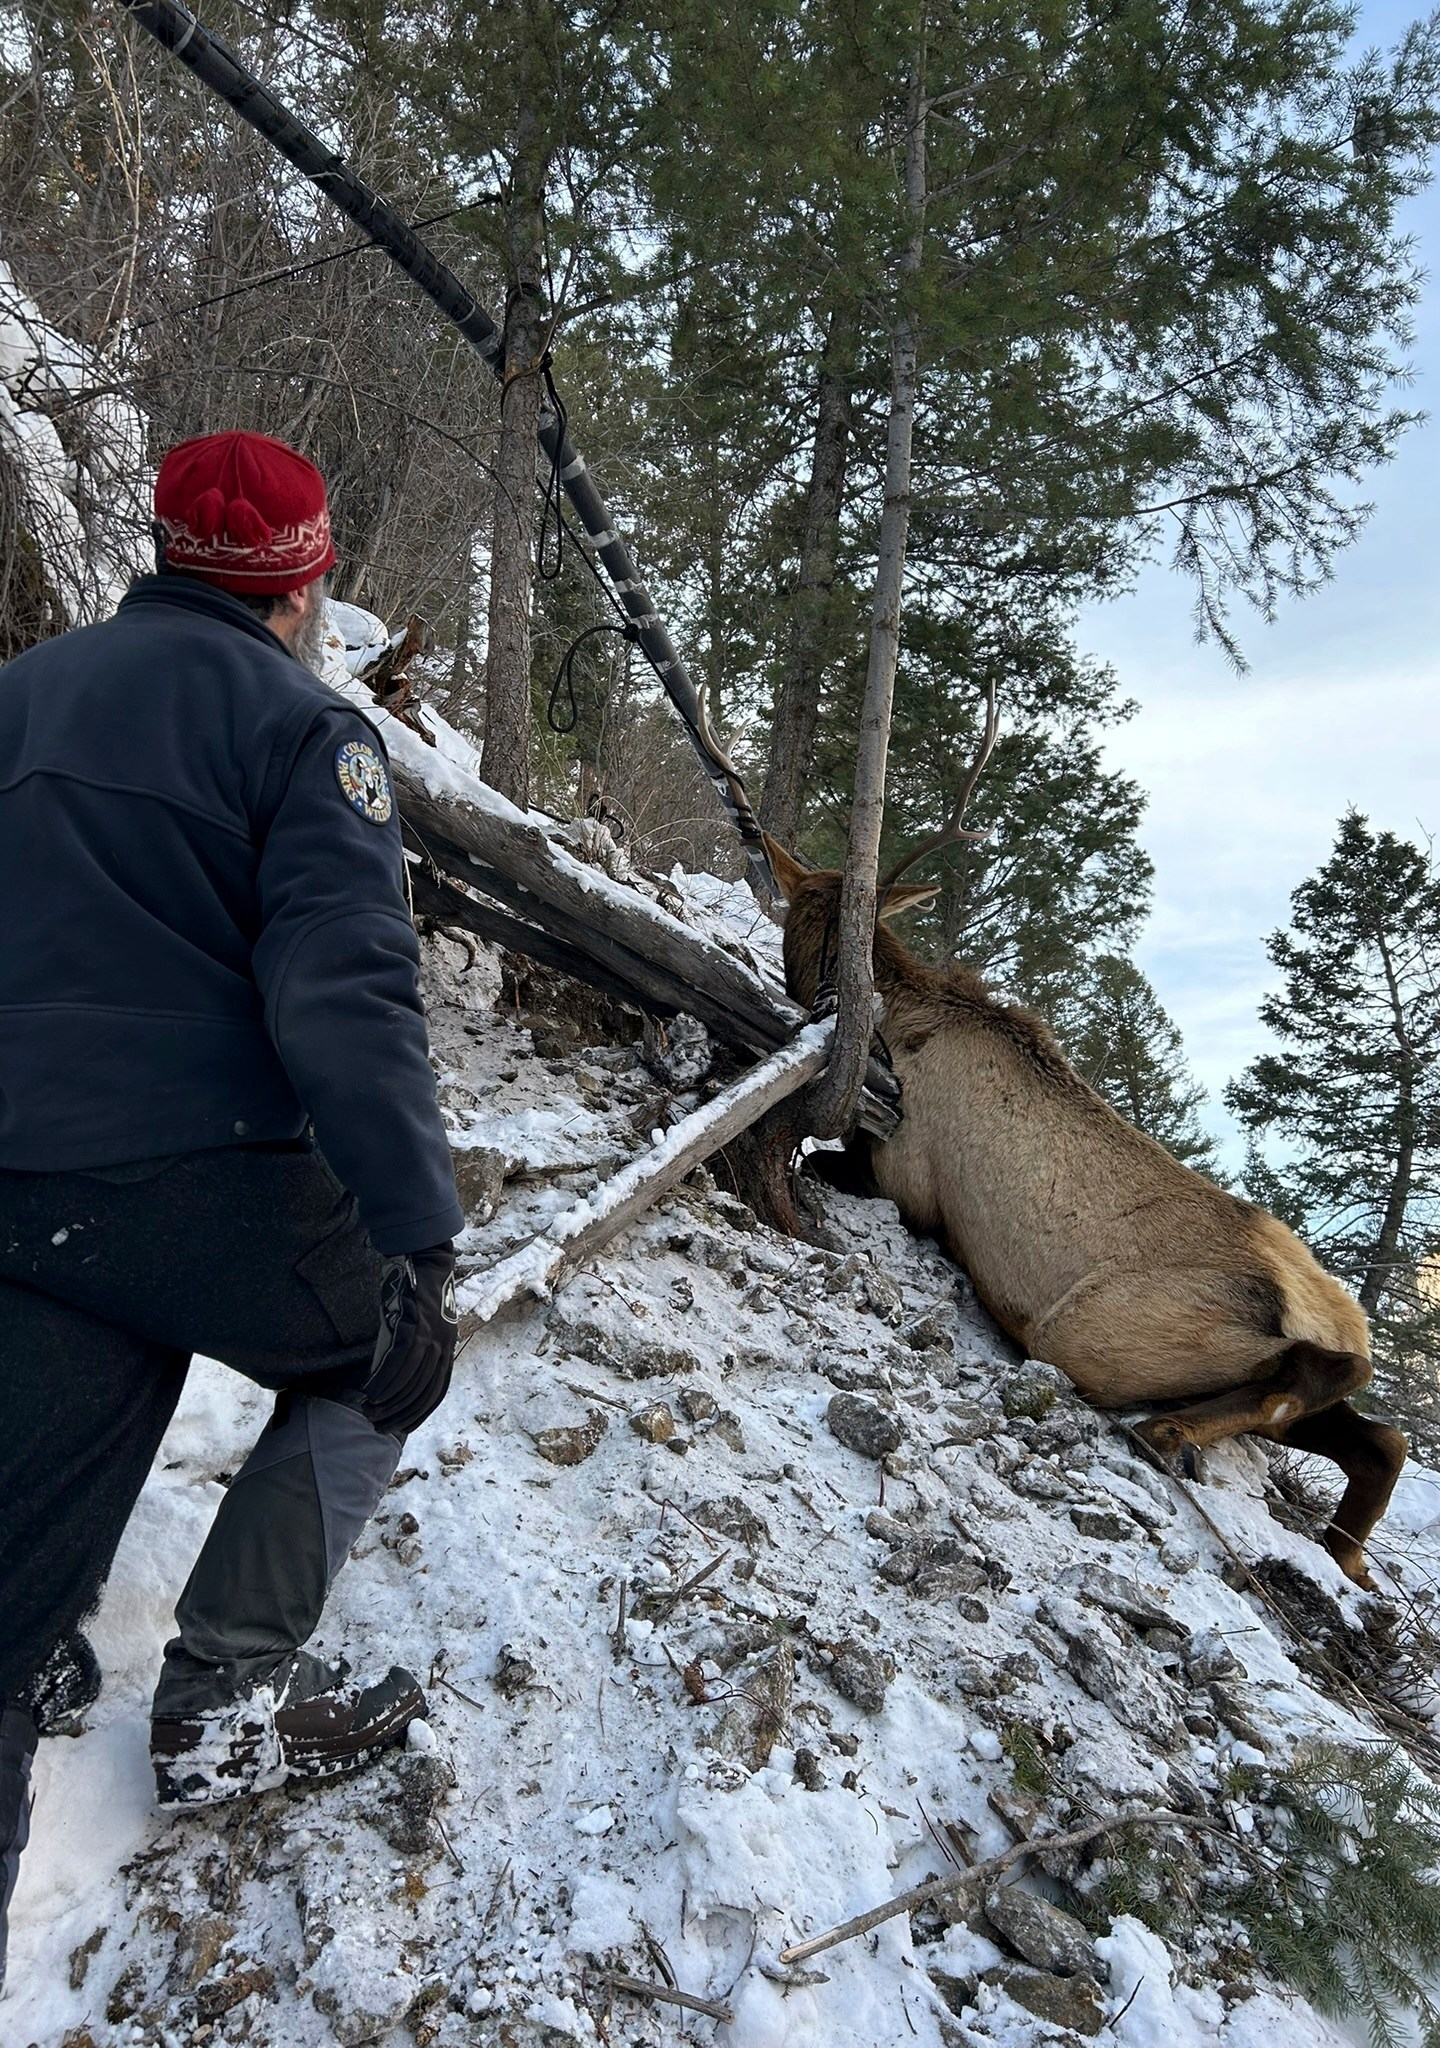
256,1257
83,1407
17,1747
282,1532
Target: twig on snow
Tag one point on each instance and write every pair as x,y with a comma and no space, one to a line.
641,1987
939,1887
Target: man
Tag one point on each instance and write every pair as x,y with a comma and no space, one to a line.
218,1133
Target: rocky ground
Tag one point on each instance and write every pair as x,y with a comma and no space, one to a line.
753,1583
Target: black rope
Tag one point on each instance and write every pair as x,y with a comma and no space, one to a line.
565,675
554,487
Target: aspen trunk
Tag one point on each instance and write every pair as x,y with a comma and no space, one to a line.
512,547
797,703
833,1102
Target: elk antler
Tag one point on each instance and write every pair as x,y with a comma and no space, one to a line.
952,832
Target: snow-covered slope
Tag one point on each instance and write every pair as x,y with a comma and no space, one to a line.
751,1583
694,1695
77,447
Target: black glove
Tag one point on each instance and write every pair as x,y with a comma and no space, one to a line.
416,1350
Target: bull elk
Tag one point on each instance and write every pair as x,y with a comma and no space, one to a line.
1089,1243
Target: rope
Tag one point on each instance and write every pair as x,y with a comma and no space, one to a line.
565,674
554,489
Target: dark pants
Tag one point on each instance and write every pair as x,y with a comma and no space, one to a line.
252,1255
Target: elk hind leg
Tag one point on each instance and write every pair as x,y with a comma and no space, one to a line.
1371,1455
1305,1380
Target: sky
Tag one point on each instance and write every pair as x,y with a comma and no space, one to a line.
1249,774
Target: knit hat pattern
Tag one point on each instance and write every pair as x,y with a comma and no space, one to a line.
245,513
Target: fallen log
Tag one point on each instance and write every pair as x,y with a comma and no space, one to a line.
445,902
586,1226
474,835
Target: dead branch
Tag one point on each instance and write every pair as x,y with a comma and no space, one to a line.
981,1874
641,1987
583,1229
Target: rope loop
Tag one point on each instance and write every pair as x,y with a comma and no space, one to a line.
553,508
565,676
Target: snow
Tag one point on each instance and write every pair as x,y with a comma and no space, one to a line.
595,1637
81,460
598,1809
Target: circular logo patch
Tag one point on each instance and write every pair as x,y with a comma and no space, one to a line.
361,775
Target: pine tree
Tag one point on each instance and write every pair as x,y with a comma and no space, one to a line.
1121,1039
1345,1115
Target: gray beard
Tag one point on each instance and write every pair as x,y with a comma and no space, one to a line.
308,646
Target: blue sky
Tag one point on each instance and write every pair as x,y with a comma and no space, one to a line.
1248,774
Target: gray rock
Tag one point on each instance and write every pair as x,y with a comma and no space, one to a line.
1031,1389
861,1675
966,1422
655,1423
863,1427
729,1516
1104,1525
479,1176
1063,2001
1038,1480
1098,1587
930,1332
1108,1669
886,1529
1038,1931
921,1554
1211,1657
423,1784
698,1404
574,1445
513,1674
727,1429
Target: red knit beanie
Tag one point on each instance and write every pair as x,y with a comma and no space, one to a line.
244,512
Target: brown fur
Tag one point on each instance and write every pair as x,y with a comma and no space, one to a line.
1088,1241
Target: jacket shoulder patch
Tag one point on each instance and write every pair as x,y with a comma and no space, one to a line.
363,780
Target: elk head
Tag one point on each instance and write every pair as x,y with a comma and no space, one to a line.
812,918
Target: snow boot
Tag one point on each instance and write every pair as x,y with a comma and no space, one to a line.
303,1725
17,1747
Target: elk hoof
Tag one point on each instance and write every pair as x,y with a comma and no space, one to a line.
1167,1445
1351,1560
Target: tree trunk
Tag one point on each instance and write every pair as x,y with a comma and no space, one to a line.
512,547
1379,1272
797,702
833,1101
1380,1266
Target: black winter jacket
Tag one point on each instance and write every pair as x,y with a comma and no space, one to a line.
203,930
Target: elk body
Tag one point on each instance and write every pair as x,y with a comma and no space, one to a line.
1090,1244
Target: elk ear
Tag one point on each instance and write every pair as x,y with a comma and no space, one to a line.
788,872
898,900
